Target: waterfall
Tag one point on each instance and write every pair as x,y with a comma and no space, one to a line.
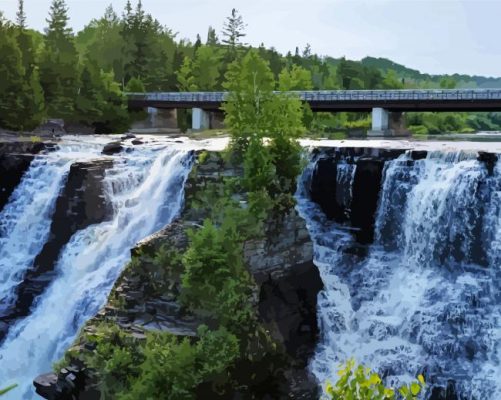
426,296
25,220
145,189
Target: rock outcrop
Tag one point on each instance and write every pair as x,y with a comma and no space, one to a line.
282,266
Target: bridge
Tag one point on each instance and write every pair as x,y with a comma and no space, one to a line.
386,106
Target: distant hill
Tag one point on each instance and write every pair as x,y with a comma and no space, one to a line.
409,74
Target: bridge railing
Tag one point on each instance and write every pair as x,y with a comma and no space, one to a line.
334,95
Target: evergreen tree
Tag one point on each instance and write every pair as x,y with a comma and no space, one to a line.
205,69
101,43
31,98
212,39
12,82
100,103
198,42
185,78
21,98
20,15
59,66
233,30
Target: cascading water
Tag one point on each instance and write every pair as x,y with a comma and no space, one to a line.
25,220
425,299
145,189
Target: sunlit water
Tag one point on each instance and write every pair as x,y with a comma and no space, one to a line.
426,298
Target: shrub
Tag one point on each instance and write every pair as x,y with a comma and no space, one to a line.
359,383
173,368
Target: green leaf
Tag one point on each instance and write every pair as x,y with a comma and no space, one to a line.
8,389
415,388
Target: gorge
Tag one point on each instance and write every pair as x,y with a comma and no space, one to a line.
405,237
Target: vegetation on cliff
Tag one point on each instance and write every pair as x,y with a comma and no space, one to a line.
231,352
82,76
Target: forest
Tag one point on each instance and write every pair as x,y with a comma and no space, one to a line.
81,77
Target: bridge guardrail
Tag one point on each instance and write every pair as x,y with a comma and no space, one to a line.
335,95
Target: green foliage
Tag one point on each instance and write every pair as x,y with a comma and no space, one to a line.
264,126
174,368
101,103
12,83
135,85
59,66
250,84
185,78
135,46
206,68
7,389
359,383
117,358
295,78
215,276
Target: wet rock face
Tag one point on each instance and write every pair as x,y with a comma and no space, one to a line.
288,286
445,393
81,203
365,187
15,158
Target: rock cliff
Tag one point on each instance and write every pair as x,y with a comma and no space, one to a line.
145,296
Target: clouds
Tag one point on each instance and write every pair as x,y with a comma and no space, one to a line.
439,36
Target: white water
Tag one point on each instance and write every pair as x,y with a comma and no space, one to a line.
146,191
25,219
426,298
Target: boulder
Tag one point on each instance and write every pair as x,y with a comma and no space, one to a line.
112,148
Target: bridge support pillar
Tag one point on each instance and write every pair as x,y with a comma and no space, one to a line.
385,123
380,123
200,119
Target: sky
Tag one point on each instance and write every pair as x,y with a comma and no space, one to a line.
433,36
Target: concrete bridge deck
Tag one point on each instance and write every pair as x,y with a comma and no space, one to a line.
343,100
386,106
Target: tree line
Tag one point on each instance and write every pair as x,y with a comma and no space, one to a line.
81,77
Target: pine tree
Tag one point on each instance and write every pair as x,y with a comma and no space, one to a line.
212,39
20,15
59,67
198,42
12,82
206,68
185,78
233,30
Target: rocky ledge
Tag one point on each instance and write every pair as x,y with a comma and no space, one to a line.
145,296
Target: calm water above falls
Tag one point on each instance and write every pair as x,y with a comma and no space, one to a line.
426,297
145,189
